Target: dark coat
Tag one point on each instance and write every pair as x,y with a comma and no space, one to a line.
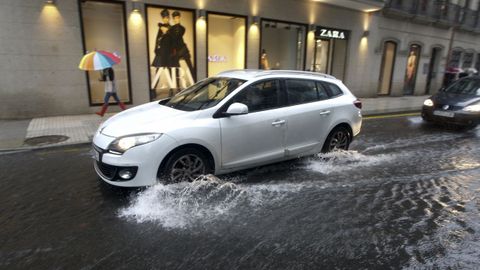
180,48
163,48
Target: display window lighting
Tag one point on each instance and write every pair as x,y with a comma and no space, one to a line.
202,14
50,2
135,6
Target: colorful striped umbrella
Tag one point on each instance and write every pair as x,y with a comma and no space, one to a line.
98,60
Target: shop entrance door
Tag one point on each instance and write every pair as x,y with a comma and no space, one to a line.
432,69
386,70
321,56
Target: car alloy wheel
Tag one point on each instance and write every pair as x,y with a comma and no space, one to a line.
185,164
339,139
187,168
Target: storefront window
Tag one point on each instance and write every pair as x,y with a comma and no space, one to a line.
104,29
171,51
412,67
226,42
330,52
282,45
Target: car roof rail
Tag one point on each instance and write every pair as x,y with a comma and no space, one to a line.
294,72
255,73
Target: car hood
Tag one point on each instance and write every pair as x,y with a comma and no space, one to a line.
454,99
148,118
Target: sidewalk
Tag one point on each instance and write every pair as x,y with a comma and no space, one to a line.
77,129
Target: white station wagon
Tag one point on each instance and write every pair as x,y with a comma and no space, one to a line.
236,120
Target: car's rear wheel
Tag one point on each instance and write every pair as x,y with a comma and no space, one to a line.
185,165
339,139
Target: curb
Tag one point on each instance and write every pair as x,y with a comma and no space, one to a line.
25,149
395,113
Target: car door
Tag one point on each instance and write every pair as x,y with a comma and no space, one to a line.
258,137
309,116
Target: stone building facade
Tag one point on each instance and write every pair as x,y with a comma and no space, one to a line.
392,48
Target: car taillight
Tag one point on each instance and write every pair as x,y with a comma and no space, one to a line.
358,104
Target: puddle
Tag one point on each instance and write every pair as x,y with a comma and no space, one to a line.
45,140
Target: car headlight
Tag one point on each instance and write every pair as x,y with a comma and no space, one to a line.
122,144
428,103
472,108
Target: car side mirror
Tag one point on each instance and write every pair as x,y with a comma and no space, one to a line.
236,109
442,89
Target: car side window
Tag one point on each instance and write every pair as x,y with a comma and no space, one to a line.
322,92
332,89
260,96
301,91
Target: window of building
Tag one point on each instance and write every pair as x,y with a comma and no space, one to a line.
171,50
477,63
282,45
104,28
226,42
387,67
467,60
413,59
455,58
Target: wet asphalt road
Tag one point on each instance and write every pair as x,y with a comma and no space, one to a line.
405,196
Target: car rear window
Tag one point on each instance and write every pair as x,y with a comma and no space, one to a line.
332,89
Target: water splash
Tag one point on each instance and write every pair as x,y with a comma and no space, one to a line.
210,199
346,160
205,200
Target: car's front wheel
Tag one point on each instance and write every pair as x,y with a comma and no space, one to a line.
339,139
185,165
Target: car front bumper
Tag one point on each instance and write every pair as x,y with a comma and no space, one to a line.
459,117
142,161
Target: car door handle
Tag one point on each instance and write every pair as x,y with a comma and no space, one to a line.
324,112
277,123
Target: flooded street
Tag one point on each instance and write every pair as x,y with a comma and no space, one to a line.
405,196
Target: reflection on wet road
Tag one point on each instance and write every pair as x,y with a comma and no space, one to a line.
405,196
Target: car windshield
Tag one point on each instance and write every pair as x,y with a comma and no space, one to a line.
468,86
204,94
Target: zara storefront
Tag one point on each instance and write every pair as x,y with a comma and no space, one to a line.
166,46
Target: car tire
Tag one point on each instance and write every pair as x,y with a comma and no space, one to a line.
186,164
338,139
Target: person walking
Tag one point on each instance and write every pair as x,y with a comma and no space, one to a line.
108,76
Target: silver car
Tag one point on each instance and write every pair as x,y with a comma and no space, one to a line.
236,120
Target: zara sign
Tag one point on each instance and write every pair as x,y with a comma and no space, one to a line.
330,33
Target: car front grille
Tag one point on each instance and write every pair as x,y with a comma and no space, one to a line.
106,170
450,107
